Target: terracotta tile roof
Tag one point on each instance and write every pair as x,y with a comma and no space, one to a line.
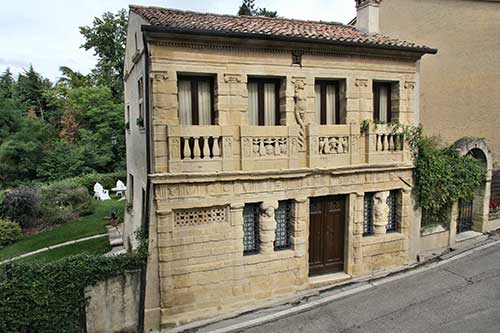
263,27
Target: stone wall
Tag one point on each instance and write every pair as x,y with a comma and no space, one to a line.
203,271
113,305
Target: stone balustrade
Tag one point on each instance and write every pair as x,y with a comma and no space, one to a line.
386,143
231,148
200,148
333,145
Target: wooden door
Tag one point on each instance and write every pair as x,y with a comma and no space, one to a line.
326,235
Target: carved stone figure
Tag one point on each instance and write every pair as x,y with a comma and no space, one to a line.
300,110
380,212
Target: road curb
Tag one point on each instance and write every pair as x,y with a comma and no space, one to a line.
351,291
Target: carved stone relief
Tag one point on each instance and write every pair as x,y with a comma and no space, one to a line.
300,110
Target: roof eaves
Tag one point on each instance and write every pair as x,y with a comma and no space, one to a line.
164,29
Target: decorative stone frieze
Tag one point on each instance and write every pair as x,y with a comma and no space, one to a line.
380,212
363,3
232,78
409,85
361,83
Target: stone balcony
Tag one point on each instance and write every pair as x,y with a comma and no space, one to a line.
191,149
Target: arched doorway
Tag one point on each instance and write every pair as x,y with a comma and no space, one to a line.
473,214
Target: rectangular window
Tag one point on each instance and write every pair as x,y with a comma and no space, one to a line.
263,102
130,189
495,196
283,218
327,103
382,109
127,118
393,219
196,100
368,215
251,216
140,93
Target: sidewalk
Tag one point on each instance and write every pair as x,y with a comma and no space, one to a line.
314,298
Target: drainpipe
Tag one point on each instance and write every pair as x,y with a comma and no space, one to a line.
145,222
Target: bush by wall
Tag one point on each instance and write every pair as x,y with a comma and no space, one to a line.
108,180
21,205
10,232
64,202
47,298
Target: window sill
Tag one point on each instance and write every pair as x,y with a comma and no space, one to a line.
376,239
432,229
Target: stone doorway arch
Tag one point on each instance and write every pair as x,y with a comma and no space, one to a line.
478,149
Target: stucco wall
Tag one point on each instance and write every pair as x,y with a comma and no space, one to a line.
459,86
135,137
113,305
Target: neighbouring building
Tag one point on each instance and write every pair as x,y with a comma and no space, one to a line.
254,160
459,99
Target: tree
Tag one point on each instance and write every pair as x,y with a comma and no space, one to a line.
266,13
7,84
73,79
30,90
248,8
107,37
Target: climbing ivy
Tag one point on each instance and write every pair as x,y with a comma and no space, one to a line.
441,175
49,297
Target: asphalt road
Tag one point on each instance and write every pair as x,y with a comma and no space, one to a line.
461,296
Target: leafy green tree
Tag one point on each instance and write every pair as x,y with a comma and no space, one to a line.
73,79
248,8
107,37
266,13
30,90
21,152
7,84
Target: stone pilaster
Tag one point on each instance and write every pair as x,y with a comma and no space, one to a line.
380,212
267,226
299,221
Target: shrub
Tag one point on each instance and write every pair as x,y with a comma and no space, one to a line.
49,297
10,232
22,205
107,180
64,201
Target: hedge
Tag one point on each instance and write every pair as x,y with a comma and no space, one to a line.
49,297
107,180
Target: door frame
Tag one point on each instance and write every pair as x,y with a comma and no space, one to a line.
346,251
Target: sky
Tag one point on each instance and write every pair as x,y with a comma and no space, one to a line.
45,33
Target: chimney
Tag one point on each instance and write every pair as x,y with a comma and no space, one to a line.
367,19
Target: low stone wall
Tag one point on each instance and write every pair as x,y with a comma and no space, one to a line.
113,305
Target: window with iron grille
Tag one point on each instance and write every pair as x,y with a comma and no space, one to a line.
495,196
393,221
368,222
283,218
251,214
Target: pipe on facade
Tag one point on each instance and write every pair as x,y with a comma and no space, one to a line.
146,217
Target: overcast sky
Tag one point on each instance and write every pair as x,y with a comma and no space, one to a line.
45,33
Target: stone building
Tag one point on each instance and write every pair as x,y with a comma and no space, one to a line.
458,100
254,159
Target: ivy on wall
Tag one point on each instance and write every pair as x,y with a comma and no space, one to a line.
442,176
49,297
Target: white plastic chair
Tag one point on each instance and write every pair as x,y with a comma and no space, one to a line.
120,188
100,193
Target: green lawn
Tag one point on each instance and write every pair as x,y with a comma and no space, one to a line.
93,246
89,225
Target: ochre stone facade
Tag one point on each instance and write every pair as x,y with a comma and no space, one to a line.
203,176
